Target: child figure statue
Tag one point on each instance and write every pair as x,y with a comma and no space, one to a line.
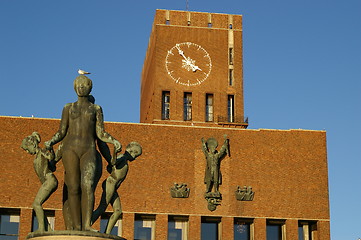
49,182
118,169
213,176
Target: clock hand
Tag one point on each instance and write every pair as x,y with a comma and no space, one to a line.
182,54
188,61
195,68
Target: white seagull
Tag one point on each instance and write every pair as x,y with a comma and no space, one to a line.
82,72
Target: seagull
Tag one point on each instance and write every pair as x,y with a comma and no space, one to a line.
82,72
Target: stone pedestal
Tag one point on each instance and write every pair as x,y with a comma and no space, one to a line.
71,235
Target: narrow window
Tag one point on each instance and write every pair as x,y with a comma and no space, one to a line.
306,230
177,228
167,22
275,230
209,107
230,26
49,221
165,105
187,103
188,23
210,228
209,25
230,108
230,77
243,229
9,224
144,227
230,56
117,229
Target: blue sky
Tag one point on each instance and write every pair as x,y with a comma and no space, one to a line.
302,69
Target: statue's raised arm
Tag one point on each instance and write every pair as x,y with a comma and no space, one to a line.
225,147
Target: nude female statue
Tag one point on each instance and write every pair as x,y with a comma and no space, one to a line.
81,124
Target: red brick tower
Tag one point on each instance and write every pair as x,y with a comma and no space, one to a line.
192,74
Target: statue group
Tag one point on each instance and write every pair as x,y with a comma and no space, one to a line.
83,142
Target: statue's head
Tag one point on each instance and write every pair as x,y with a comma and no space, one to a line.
212,144
134,149
30,143
83,85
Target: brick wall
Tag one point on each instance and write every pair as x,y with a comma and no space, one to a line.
287,170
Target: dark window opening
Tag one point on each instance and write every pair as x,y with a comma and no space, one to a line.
165,105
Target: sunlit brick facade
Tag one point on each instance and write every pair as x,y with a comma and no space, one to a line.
287,169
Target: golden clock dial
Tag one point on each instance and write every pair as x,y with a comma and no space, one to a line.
188,64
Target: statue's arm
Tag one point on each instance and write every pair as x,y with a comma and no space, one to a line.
224,148
104,150
63,128
59,153
102,134
204,147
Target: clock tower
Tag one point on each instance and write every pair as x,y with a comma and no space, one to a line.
193,70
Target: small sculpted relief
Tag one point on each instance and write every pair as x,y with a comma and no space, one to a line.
244,194
179,191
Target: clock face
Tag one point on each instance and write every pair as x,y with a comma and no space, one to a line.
188,64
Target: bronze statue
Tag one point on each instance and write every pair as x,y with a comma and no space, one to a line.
104,151
213,176
118,169
81,124
48,180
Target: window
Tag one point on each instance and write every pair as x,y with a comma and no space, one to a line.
210,228
230,56
167,22
230,108
275,230
209,25
177,228
209,107
187,103
165,105
144,227
9,224
306,230
230,26
230,77
49,221
117,229
243,229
